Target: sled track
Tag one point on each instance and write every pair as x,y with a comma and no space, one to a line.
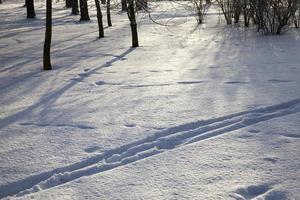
160,142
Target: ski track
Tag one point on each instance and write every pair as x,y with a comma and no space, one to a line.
161,141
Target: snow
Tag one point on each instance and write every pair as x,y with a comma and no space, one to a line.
196,112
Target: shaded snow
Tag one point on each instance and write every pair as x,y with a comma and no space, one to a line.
208,112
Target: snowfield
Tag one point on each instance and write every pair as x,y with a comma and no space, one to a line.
196,112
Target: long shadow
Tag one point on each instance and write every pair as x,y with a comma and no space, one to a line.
53,96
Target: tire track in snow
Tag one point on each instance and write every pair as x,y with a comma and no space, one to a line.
160,142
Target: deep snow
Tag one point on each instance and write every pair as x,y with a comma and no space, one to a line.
196,112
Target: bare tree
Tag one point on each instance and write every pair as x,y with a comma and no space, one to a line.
297,18
227,9
272,16
84,11
30,8
124,5
99,18
75,10
247,12
108,13
133,24
237,10
48,35
201,8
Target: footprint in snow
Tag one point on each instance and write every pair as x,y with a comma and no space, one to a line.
279,81
250,192
83,74
190,82
276,195
92,149
214,67
133,72
235,82
130,125
105,83
271,159
253,131
290,135
78,79
100,83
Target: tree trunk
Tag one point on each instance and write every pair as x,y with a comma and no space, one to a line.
84,11
75,10
278,31
99,17
68,3
124,5
246,20
103,1
48,35
133,25
30,8
108,13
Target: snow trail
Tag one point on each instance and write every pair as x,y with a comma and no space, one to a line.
160,142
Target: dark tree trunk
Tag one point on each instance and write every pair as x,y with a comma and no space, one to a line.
124,5
103,1
48,35
99,17
30,8
84,11
133,25
75,10
246,21
108,13
68,3
278,31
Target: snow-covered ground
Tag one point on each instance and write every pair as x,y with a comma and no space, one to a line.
196,112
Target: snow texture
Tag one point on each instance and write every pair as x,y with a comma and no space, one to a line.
196,112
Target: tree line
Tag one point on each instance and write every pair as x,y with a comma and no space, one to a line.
129,6
269,16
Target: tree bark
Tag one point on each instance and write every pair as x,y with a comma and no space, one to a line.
84,11
133,25
99,18
30,8
108,13
103,1
124,5
68,3
75,10
48,35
